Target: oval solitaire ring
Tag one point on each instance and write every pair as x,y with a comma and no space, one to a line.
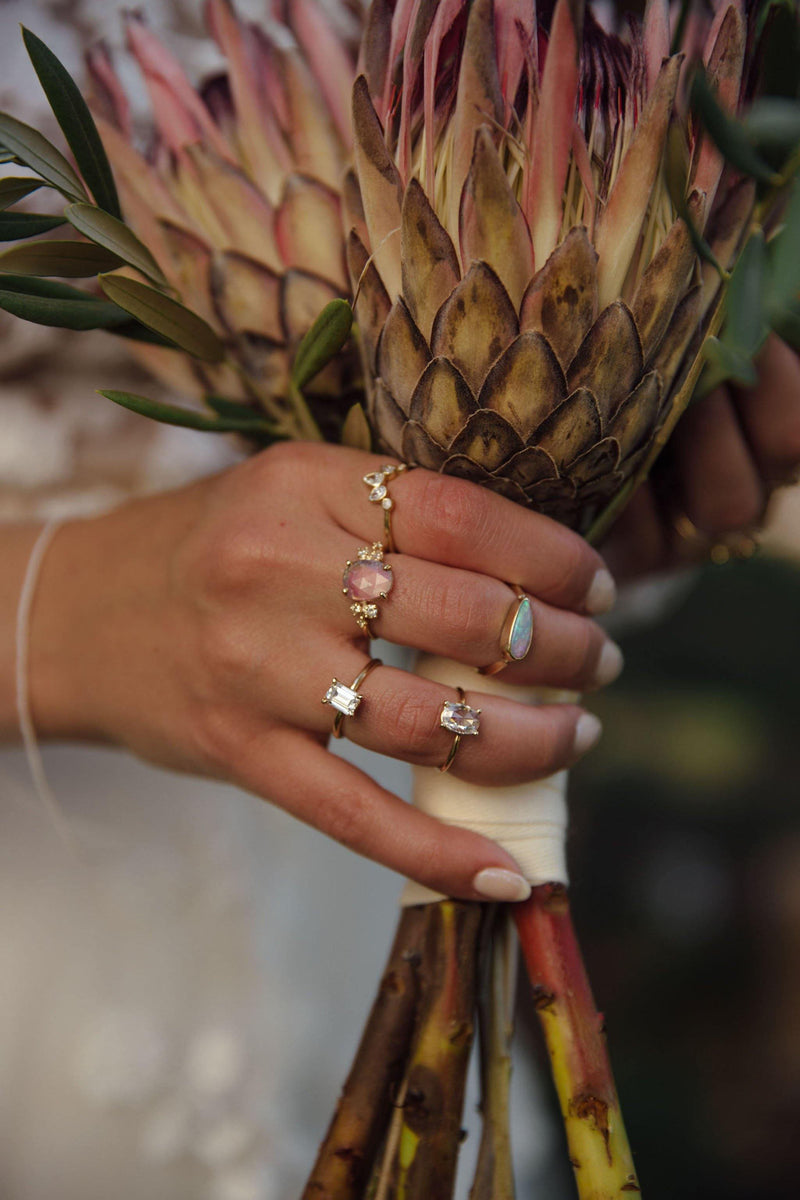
461,720
366,580
516,636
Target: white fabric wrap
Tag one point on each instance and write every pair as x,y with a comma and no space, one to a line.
528,820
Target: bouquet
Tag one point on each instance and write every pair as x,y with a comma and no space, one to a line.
551,238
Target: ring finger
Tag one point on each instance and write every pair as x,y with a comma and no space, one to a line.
400,714
462,615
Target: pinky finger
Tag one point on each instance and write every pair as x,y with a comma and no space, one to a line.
343,802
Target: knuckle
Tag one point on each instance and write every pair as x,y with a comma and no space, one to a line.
347,816
451,508
414,723
215,739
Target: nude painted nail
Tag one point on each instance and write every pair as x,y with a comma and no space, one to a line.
587,733
609,664
602,594
495,883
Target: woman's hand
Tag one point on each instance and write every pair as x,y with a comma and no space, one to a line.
728,452
201,628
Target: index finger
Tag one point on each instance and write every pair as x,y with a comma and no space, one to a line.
460,524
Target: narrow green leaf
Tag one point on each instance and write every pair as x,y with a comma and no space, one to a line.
14,225
29,147
70,260
16,187
773,125
72,114
783,286
746,326
7,156
727,134
115,236
165,316
46,302
172,414
323,342
230,408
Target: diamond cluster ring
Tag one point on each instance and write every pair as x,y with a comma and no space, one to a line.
377,482
461,720
347,699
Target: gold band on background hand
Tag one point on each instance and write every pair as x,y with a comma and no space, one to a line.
462,720
347,699
377,482
516,636
720,549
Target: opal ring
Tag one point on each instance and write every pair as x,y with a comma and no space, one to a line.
377,482
347,699
366,580
516,636
461,720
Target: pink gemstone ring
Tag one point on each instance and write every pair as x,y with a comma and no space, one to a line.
366,581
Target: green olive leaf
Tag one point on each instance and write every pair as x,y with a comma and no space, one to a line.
103,229
29,147
46,302
323,342
167,317
70,260
15,225
72,114
172,414
16,187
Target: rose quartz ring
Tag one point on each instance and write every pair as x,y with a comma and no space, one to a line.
365,581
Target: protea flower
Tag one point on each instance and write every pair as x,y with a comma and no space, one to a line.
528,290
238,194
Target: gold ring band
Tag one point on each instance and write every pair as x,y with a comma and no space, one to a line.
347,699
462,720
377,482
516,636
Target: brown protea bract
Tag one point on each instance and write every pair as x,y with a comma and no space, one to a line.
529,299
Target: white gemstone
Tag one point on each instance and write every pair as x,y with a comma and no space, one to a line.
377,493
387,503
342,698
460,718
374,479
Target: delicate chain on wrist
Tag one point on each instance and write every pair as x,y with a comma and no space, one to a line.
22,646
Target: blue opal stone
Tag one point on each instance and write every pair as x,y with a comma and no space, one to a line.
521,635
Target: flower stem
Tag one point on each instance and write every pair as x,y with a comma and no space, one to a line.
427,1152
494,1173
573,1031
346,1156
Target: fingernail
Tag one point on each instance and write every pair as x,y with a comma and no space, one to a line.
602,594
495,883
587,733
609,664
